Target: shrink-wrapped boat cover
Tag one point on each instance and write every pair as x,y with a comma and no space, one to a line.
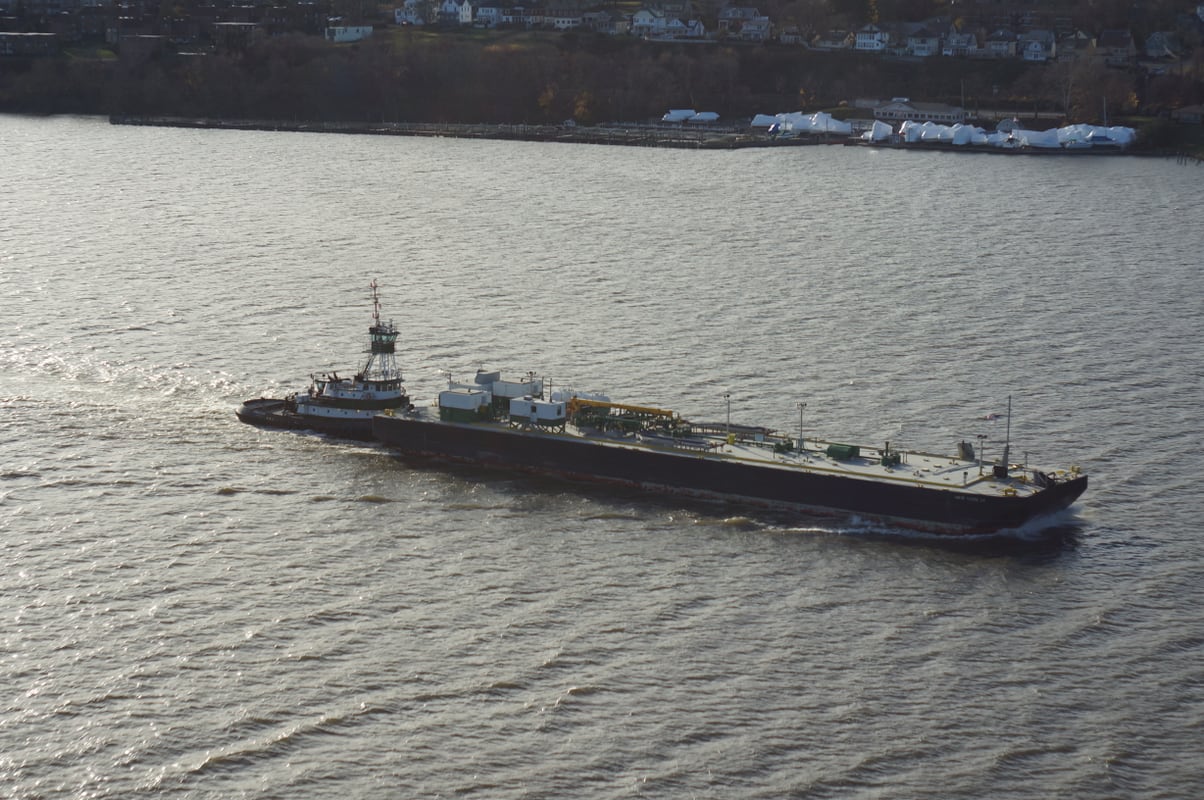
910,131
934,132
1045,139
1074,133
794,121
822,122
961,134
878,132
1122,135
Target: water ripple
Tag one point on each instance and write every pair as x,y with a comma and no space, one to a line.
197,608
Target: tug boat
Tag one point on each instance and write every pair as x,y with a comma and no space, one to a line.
336,406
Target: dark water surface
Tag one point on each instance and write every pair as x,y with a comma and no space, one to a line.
191,607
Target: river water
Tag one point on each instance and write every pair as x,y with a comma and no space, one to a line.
195,608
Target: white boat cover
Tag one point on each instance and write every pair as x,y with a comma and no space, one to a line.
1122,135
1045,139
796,122
961,134
678,115
819,122
1083,134
704,116
878,132
935,132
911,132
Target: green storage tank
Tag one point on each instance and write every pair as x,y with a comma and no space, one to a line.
843,452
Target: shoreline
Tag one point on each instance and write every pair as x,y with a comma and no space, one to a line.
633,135
710,138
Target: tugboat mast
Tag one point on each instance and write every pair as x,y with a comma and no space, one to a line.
382,336
1007,441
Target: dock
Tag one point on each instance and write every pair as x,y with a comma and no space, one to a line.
683,136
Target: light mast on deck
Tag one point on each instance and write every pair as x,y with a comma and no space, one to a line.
382,337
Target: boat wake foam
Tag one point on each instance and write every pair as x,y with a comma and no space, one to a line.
1051,533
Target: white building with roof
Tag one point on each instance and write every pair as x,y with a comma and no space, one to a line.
959,43
872,39
412,12
903,109
1037,45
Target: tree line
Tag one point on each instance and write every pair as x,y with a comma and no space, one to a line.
521,77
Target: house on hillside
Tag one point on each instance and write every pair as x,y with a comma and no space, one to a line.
675,28
1000,43
834,40
872,39
958,43
563,19
648,22
790,34
923,43
1116,47
1163,44
661,26
758,29
412,12
516,16
733,18
608,22
455,12
487,16
1076,45
1037,45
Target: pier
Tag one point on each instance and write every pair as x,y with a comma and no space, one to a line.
627,135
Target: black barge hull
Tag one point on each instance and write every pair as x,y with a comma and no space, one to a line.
904,503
